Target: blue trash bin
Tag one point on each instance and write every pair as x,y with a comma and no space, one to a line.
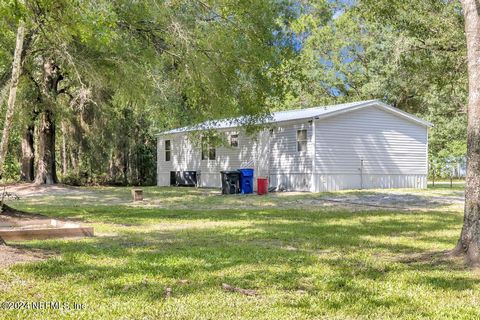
246,180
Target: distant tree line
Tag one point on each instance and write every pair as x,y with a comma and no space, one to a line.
411,54
100,78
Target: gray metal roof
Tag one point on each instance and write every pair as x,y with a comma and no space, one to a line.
299,114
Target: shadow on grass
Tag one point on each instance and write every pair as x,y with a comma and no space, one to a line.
132,216
336,253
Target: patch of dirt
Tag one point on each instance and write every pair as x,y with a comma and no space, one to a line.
434,259
10,255
383,200
40,194
14,254
10,212
31,189
11,218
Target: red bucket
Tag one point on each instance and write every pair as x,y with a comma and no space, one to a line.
262,186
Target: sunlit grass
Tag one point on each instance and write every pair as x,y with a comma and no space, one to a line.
306,263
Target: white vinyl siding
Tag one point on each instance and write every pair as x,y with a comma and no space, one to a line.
187,156
393,148
284,155
386,143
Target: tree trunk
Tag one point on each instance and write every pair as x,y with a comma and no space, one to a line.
469,243
16,70
125,166
28,154
64,149
46,172
3,92
46,168
112,169
73,161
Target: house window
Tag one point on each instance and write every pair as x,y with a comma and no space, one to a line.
168,150
302,140
234,140
208,152
204,148
211,153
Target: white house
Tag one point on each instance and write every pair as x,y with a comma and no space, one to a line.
358,145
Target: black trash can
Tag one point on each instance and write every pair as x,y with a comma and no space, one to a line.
230,182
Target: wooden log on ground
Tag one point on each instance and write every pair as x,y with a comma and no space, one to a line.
247,292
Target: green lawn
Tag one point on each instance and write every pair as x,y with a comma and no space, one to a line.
306,263
455,185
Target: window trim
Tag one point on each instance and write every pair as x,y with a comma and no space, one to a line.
168,151
212,150
303,141
204,148
207,150
237,140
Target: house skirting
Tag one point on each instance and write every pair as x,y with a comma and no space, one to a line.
291,181
334,182
319,182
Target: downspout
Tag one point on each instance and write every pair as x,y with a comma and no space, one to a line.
158,160
269,154
426,163
314,156
361,174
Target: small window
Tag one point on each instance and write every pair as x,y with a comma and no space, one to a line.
204,148
234,140
212,153
168,150
208,152
301,140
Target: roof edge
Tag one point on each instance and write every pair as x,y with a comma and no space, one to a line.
354,107
382,104
405,114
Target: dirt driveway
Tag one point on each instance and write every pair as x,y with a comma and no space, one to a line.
204,199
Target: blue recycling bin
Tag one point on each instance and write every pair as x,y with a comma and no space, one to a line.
246,180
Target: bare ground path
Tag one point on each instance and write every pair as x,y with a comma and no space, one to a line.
190,198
